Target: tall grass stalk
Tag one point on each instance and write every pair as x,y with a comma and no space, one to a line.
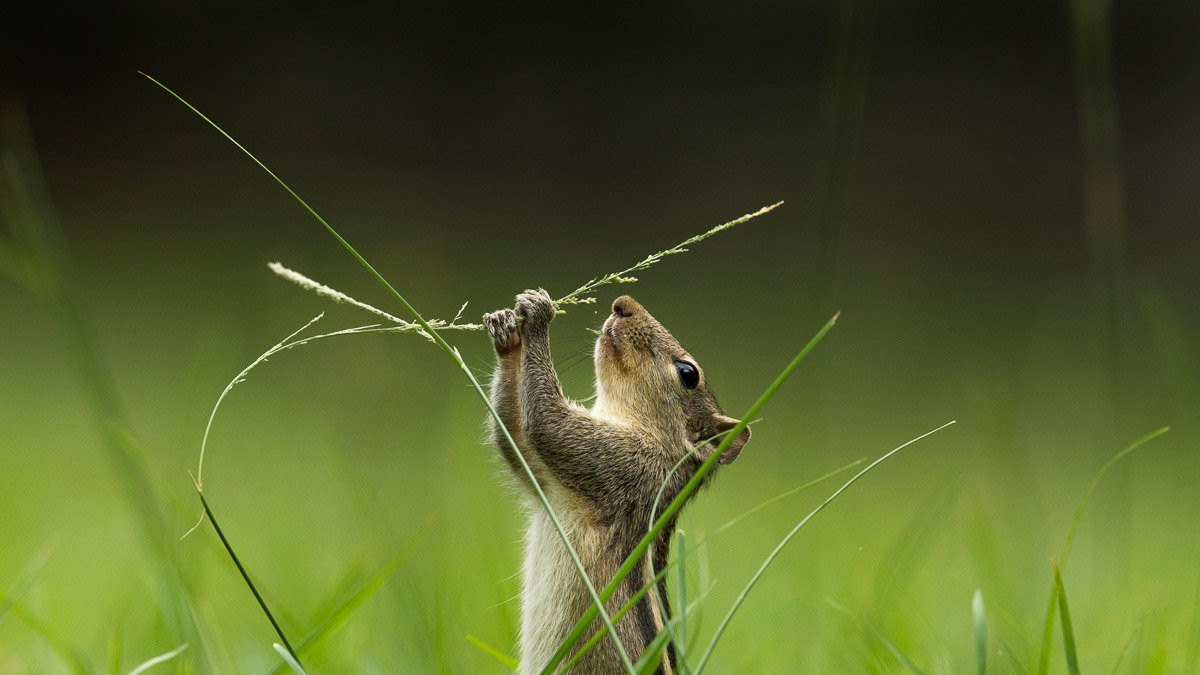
453,354
246,576
1052,604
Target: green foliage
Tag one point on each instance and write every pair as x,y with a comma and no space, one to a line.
1068,632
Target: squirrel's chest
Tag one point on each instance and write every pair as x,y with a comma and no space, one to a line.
553,596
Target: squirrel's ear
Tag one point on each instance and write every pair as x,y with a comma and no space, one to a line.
723,424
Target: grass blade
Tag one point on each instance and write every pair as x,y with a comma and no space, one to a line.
788,537
691,486
1052,604
246,577
289,658
1068,633
1018,667
679,637
782,495
491,651
161,658
1066,547
879,635
981,651
651,659
70,654
1125,650
342,612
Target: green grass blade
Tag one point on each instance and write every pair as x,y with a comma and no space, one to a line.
1125,650
339,615
491,651
161,658
246,577
453,354
981,650
691,486
1018,667
879,635
1052,604
289,658
788,537
781,496
651,659
70,654
679,637
1066,547
1068,633
1048,633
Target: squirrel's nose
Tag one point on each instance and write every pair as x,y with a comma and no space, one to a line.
626,306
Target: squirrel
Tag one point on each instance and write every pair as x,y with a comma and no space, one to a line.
600,468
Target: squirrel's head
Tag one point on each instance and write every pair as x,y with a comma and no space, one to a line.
645,377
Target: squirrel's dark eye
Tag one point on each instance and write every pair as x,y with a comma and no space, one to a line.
688,375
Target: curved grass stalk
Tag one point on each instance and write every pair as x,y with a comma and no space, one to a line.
1052,605
161,658
288,343
788,537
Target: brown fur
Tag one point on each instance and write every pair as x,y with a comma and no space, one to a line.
600,468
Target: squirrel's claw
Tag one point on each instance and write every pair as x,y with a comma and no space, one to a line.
502,326
535,308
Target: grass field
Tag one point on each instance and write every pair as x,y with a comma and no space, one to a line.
352,478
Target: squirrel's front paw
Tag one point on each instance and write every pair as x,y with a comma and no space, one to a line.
535,308
502,326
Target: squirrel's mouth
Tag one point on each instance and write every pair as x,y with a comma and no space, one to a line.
608,335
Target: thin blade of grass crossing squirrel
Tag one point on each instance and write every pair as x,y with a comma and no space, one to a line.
600,468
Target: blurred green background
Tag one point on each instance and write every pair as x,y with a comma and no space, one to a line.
1000,198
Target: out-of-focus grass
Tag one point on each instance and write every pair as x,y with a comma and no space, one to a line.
335,457
327,464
